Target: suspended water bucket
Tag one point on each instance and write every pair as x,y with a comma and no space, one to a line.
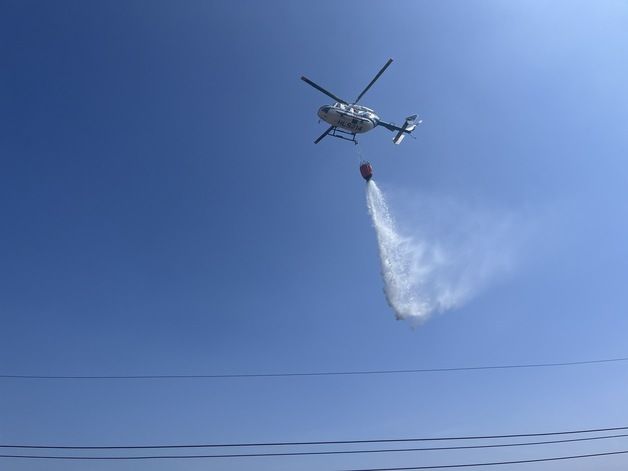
366,171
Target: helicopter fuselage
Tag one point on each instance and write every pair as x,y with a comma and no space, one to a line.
353,118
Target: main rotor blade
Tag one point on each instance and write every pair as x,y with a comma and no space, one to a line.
324,134
321,89
373,81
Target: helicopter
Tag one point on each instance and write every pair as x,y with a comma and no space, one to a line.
348,119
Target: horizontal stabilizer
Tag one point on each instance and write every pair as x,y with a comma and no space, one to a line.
399,137
407,128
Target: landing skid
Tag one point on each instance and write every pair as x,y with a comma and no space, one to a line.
340,134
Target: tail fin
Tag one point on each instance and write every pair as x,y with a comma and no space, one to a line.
407,128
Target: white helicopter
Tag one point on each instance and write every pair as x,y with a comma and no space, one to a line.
349,119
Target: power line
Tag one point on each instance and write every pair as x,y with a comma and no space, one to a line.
494,463
320,442
310,453
319,373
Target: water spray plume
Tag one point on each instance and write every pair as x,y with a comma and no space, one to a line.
421,275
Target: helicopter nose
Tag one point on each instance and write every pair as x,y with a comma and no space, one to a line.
322,111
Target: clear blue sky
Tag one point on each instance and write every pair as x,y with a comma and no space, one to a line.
164,210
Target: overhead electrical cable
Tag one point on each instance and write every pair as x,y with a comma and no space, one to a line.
331,452
445,466
493,463
318,373
321,442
